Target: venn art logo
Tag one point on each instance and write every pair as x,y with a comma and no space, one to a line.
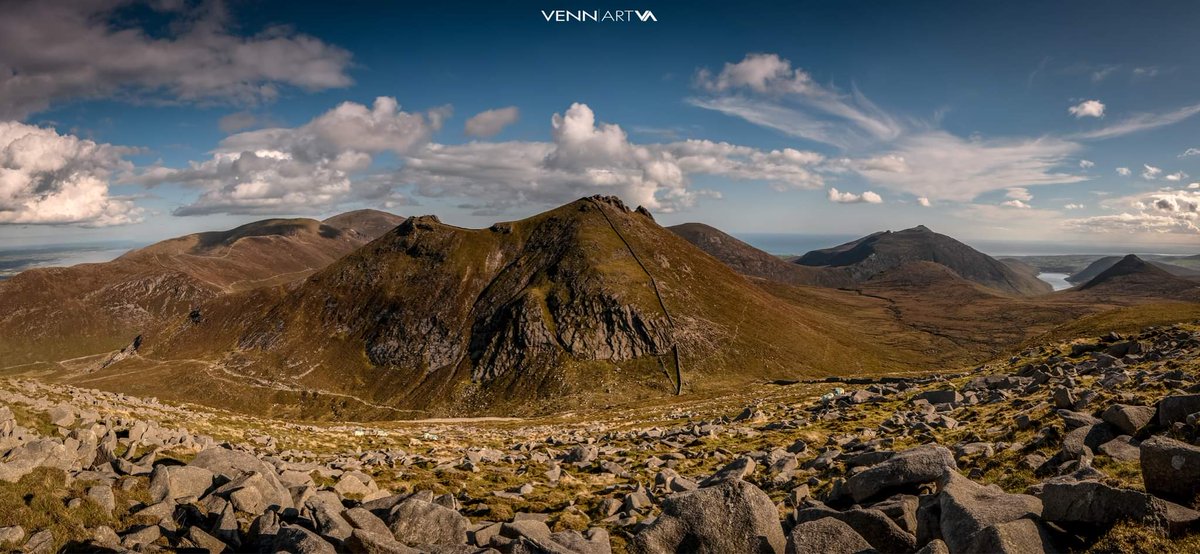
608,16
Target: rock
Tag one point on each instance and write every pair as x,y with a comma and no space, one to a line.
902,509
248,500
168,483
1075,420
1091,505
416,521
62,415
945,396
233,464
582,454
1123,449
12,534
42,542
1170,468
1129,419
1021,536
22,460
103,495
1173,409
732,516
873,525
361,518
362,541
827,536
968,507
206,541
1063,398
326,511
298,540
734,471
935,546
1086,440
906,469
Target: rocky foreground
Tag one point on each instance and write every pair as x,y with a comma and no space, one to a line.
1087,445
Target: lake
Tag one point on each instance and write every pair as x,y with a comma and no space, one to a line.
1056,280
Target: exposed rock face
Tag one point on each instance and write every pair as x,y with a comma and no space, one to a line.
1094,505
827,535
733,516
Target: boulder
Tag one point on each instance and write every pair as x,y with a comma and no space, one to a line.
1173,409
416,521
1091,505
1020,536
298,540
827,536
1170,468
362,541
945,396
908,468
968,507
733,516
873,525
1129,419
232,464
1123,449
1082,441
168,483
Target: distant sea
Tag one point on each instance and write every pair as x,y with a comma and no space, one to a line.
782,244
14,260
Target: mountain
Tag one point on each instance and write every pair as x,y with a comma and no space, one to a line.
750,261
49,314
1133,276
581,305
878,252
1099,266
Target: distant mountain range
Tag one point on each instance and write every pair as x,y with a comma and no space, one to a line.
54,313
369,316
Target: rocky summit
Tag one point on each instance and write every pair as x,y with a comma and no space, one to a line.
1072,446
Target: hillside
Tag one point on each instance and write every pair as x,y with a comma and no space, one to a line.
50,314
1134,277
548,313
750,261
1099,266
864,258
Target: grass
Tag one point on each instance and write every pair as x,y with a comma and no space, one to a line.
40,500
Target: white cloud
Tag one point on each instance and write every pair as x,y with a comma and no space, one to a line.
866,197
924,202
1158,212
55,51
1087,108
1190,152
1193,186
941,166
1177,176
1140,122
587,157
302,169
1124,171
1016,204
48,178
1103,73
1074,206
765,90
1086,164
489,123
1019,193
1150,172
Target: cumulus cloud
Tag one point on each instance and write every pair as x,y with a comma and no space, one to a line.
1158,212
1124,171
48,178
1087,108
85,51
766,90
489,123
586,157
1177,176
1016,204
1086,164
1150,172
866,197
302,169
942,166
924,202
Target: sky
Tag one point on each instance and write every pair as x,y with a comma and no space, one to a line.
1071,123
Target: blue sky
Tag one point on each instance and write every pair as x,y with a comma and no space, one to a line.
809,117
